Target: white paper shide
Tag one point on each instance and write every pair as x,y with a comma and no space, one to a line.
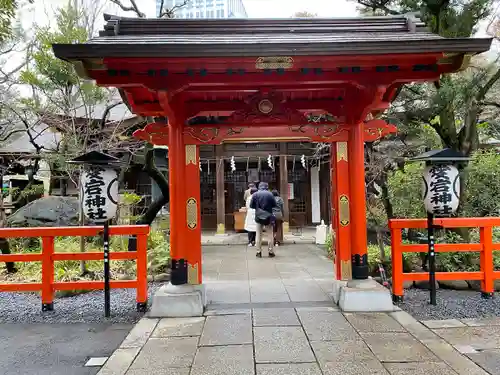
99,193
441,189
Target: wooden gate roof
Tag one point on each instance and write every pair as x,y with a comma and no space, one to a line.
142,37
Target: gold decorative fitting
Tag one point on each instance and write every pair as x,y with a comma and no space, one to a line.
344,214
191,154
192,213
276,62
345,269
341,151
266,106
193,274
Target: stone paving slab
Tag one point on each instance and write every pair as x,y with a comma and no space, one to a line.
445,323
288,369
281,345
227,330
275,317
179,327
373,322
346,350
397,347
325,325
224,360
488,360
354,368
171,352
159,371
419,368
484,337
481,322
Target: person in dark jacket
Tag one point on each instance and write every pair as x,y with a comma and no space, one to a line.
278,215
263,203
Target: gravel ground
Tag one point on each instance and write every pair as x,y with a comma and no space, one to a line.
451,304
83,308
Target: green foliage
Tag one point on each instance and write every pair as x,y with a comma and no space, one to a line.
8,10
329,245
405,189
158,253
55,78
483,185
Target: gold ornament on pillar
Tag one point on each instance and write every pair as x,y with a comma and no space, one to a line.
193,274
346,269
191,154
341,151
192,213
344,212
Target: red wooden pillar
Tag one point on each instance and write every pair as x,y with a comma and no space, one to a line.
191,227
340,209
176,160
356,155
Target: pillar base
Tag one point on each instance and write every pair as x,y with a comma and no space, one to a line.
178,301
221,230
362,296
286,227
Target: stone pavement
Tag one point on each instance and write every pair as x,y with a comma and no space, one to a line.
295,236
276,317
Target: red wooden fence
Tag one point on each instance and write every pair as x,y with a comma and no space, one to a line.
47,257
487,275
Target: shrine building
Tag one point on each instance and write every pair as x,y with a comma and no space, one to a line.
238,84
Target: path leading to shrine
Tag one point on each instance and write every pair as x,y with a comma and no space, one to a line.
275,317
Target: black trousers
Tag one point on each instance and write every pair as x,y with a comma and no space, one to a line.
251,237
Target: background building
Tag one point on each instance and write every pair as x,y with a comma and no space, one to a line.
206,8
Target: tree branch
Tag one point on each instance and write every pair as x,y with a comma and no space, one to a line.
170,13
380,5
488,85
106,112
132,8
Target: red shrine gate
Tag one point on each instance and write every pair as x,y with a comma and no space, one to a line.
282,80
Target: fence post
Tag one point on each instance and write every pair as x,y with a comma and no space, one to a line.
142,272
47,274
397,265
486,261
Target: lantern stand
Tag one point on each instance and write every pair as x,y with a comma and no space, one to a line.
99,198
441,195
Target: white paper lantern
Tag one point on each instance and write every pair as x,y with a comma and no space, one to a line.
441,189
99,193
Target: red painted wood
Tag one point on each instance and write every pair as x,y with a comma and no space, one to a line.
222,64
157,133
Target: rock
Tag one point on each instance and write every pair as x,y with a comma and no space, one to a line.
476,285
162,277
69,293
406,284
424,284
125,277
454,284
150,278
47,212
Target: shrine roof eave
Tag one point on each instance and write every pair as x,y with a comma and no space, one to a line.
136,47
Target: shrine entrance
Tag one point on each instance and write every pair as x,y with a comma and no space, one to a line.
226,81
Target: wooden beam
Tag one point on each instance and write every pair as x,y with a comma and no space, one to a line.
283,178
220,190
157,133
